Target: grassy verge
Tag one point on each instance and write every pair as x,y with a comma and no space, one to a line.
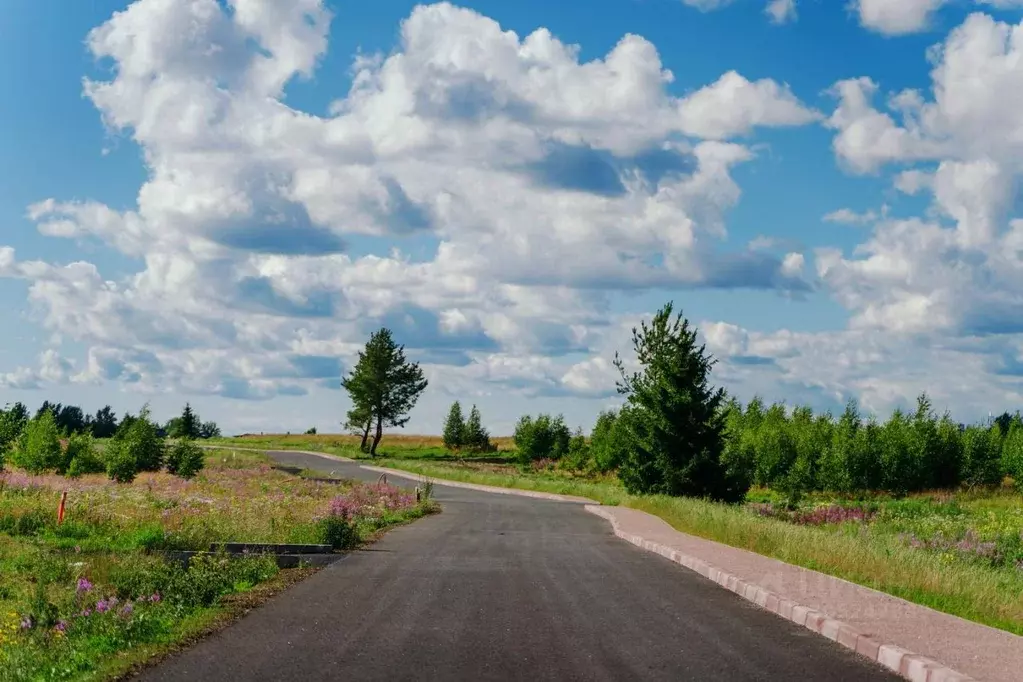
874,555
392,446
90,598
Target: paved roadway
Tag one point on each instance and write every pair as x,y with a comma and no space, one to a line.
502,587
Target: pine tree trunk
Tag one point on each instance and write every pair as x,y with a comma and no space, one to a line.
377,436
365,435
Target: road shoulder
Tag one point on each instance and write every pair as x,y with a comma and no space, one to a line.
914,641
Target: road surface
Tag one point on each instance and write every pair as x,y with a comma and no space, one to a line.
502,587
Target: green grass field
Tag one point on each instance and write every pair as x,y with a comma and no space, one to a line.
87,598
961,553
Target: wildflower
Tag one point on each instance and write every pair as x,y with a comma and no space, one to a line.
86,613
102,606
155,598
127,610
84,585
27,623
61,626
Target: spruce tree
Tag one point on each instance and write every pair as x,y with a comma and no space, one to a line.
454,429
674,419
477,438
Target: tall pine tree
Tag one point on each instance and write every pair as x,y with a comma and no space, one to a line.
674,422
384,384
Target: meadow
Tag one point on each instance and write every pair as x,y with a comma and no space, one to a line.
959,551
89,597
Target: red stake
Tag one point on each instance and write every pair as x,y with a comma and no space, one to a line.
60,509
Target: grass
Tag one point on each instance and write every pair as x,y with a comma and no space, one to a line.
89,599
392,446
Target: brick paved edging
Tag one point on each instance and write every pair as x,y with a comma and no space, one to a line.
911,666
483,488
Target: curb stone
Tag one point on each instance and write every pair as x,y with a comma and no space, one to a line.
483,488
905,663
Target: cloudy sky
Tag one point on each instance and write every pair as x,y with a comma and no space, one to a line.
218,200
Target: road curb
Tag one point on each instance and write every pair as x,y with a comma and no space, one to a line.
906,664
483,488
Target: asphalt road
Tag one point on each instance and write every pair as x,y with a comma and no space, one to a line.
501,587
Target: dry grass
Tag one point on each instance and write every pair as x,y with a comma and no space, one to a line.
327,442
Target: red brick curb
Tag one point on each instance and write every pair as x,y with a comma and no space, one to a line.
905,663
483,488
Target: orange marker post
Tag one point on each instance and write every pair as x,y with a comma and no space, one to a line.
60,509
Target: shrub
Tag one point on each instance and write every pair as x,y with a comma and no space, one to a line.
1012,455
608,442
454,428
81,456
39,448
185,459
339,532
311,431
540,438
578,456
982,450
121,464
139,442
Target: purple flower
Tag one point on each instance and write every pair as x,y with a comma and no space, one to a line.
127,610
27,623
86,613
155,598
84,585
61,626
102,606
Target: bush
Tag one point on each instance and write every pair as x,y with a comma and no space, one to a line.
81,456
121,465
608,442
1012,455
38,447
185,459
982,451
578,456
339,532
545,437
138,441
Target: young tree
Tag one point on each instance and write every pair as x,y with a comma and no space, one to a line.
675,421
187,425
454,428
38,448
476,438
384,384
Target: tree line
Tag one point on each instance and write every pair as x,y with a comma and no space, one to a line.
678,435
71,419
42,444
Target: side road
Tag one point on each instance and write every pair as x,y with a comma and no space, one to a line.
504,587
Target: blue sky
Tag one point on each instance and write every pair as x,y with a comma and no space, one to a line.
203,202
